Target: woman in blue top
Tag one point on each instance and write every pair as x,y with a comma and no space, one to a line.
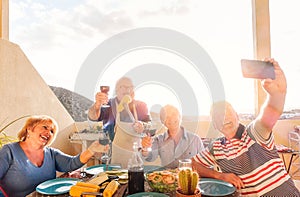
29,162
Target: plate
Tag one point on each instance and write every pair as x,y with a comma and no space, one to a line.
56,186
95,169
148,194
114,172
214,187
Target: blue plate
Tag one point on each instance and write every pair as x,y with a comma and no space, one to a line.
56,186
101,168
148,194
214,187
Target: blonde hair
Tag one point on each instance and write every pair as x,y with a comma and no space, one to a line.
32,121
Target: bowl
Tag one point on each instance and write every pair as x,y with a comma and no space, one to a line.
164,181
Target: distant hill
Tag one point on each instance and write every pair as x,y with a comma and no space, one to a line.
76,104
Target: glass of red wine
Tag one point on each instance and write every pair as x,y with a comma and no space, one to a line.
104,140
104,89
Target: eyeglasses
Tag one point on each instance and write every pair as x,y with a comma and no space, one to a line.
123,87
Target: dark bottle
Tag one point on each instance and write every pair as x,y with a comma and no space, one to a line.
135,172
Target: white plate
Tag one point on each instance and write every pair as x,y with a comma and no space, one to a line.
95,169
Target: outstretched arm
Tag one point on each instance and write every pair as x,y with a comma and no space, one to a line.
274,104
86,155
94,111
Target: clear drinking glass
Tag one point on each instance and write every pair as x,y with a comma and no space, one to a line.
104,140
185,164
105,89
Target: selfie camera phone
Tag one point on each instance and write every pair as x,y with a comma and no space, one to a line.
257,69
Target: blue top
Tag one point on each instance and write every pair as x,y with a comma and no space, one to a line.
108,115
19,177
188,146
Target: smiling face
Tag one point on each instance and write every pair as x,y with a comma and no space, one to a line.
43,133
225,119
171,118
40,130
124,86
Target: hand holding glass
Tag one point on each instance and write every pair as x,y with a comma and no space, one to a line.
147,143
104,89
104,140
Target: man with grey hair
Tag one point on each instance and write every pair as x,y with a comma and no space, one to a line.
174,144
124,86
246,156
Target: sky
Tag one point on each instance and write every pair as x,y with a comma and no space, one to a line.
191,60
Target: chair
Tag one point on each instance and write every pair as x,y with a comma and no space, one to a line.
294,144
2,193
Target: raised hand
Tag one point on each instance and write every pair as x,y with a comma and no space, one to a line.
100,99
278,85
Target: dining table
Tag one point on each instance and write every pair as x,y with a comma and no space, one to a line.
83,176
123,188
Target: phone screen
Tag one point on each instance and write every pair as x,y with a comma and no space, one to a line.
257,69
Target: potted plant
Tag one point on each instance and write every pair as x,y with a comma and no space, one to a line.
188,183
4,138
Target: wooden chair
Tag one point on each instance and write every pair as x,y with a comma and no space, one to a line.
2,193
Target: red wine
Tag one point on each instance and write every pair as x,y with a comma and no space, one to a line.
135,180
104,89
104,141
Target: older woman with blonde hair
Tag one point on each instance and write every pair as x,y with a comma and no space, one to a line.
30,161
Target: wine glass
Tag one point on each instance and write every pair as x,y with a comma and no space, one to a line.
148,149
104,140
104,89
185,164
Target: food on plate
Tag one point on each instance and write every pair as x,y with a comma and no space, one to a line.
98,179
80,187
163,181
113,172
111,188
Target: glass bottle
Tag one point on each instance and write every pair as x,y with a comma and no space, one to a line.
135,172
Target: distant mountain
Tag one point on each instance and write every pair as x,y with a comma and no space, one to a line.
76,104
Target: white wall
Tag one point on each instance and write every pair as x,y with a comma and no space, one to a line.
24,92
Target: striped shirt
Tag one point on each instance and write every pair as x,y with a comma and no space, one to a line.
252,158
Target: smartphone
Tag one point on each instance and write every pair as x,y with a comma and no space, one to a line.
257,69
